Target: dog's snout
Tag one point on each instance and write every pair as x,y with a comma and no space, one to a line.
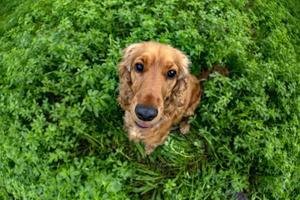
145,113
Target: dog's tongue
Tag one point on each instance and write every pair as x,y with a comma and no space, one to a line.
143,125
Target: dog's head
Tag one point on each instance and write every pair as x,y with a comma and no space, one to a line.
150,75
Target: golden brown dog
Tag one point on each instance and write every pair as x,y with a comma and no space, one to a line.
156,92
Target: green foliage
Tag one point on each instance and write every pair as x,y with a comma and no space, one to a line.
61,128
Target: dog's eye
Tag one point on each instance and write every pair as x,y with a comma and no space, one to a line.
171,73
139,67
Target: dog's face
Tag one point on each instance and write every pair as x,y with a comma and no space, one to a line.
152,72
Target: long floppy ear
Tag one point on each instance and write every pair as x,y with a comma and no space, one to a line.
125,92
183,62
177,97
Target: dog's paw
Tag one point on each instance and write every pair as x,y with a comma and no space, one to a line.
184,127
149,149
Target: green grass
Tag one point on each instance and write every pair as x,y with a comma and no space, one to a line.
61,128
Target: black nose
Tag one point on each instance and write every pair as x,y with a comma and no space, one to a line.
145,113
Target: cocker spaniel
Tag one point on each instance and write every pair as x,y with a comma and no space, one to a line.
156,92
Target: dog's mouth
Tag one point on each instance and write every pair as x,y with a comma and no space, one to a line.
143,125
147,125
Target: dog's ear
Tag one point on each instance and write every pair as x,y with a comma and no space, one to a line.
125,92
178,92
183,63
128,56
177,96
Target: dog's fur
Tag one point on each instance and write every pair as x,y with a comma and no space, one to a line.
176,99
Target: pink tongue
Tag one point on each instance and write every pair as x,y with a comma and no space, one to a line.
142,125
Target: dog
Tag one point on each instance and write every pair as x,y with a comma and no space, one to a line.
156,91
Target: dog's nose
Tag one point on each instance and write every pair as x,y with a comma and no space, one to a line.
145,113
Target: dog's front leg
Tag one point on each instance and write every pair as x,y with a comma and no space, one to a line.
184,125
